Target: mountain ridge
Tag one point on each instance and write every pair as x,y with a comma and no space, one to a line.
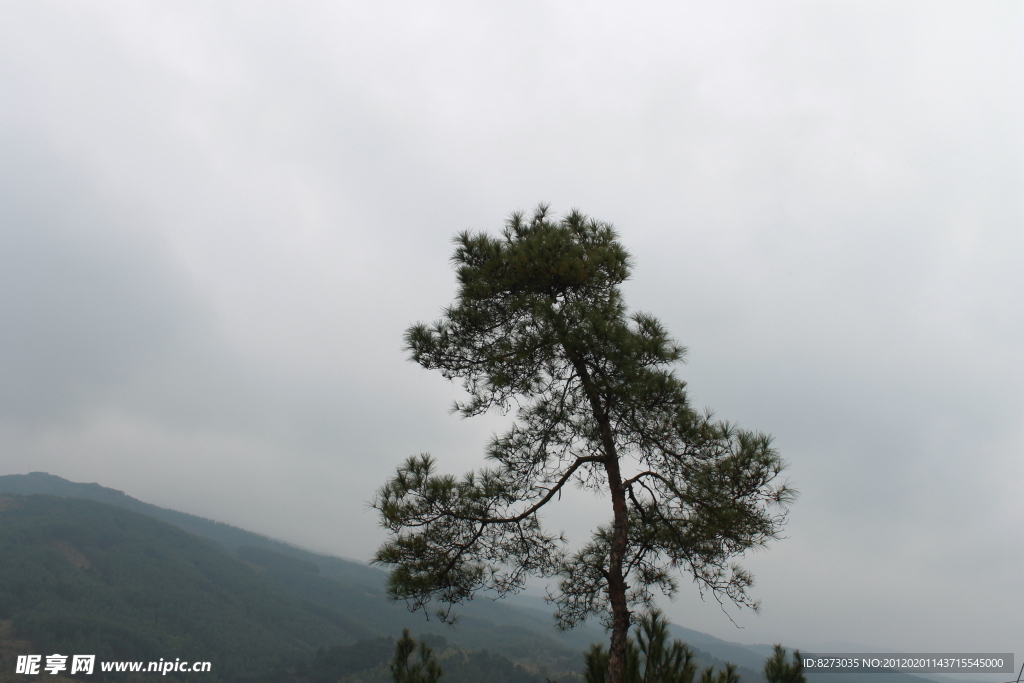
350,586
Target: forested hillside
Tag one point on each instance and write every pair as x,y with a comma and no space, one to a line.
83,577
78,576
350,587
110,578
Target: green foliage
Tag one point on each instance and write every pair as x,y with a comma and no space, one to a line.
728,674
595,664
539,324
778,670
424,670
650,658
663,663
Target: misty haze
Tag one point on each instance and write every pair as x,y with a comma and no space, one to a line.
218,221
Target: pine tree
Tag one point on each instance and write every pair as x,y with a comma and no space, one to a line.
778,670
539,324
650,658
425,670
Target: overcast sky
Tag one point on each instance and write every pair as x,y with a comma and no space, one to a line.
218,218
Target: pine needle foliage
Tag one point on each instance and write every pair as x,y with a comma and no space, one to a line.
778,670
423,669
539,326
650,658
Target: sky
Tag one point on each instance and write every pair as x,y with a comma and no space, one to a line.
218,218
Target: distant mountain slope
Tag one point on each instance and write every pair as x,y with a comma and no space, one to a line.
347,598
78,576
229,536
525,634
84,577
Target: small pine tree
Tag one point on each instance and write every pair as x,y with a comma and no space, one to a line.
650,658
663,663
596,663
778,670
426,670
728,674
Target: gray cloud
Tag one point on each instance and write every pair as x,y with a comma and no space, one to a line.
84,304
218,219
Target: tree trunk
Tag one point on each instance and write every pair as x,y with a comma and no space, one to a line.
616,581
617,552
